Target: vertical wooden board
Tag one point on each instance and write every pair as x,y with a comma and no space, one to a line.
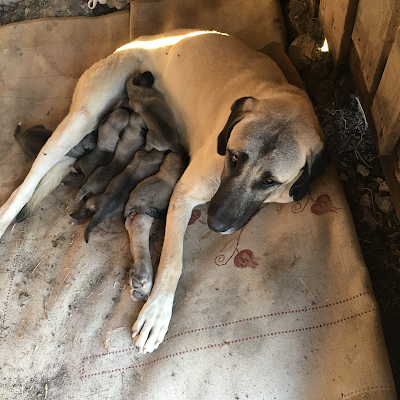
388,162
313,4
386,104
373,35
338,18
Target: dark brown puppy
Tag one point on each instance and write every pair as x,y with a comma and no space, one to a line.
108,136
158,117
34,138
133,137
149,200
152,195
113,200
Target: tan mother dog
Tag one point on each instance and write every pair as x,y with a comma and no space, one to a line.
252,139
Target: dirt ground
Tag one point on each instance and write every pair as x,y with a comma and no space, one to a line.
341,116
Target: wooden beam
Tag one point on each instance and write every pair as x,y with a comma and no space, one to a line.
374,31
338,18
386,104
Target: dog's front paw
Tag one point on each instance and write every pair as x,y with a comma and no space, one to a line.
152,324
141,280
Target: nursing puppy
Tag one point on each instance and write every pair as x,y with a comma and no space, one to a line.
31,141
110,131
158,117
265,147
113,200
132,138
149,200
34,138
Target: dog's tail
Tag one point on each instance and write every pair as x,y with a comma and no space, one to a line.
48,183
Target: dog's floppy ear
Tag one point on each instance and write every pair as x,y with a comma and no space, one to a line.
316,165
238,110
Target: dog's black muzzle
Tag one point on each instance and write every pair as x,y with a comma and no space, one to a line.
229,210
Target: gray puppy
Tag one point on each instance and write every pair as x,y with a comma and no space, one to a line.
113,200
34,138
109,133
151,196
158,117
132,139
149,200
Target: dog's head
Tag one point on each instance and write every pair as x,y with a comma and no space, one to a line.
273,153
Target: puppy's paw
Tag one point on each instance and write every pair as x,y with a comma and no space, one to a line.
141,280
152,324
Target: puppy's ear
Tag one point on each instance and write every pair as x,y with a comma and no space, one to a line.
316,165
238,110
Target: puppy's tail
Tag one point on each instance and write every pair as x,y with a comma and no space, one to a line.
48,183
18,130
98,217
105,209
85,189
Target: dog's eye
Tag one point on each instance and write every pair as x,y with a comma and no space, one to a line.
268,182
234,158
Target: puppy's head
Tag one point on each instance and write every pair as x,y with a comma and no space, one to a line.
273,153
145,79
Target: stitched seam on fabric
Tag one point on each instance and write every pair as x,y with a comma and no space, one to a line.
305,309
14,265
368,389
310,328
63,46
242,320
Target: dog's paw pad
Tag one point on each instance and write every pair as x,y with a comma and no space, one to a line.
141,286
138,282
138,295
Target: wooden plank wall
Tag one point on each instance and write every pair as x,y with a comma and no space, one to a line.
374,31
367,33
386,104
314,6
338,20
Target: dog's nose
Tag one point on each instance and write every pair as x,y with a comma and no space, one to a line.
218,225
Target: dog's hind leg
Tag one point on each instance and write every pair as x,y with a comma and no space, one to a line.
99,88
63,139
141,272
48,183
